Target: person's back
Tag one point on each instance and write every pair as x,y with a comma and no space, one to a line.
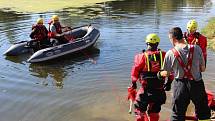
151,94
187,62
151,61
184,52
39,36
39,31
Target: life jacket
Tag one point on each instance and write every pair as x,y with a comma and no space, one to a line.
57,27
192,38
148,76
153,63
41,32
198,39
188,66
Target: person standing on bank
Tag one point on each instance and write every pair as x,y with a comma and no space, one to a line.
151,94
187,63
193,37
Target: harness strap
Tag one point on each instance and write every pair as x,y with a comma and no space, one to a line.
147,60
161,59
155,59
186,68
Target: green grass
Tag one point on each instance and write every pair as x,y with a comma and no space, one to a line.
39,6
209,32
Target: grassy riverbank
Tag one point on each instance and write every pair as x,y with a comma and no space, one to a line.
39,6
209,32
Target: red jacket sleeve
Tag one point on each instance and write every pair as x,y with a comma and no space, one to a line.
203,45
139,62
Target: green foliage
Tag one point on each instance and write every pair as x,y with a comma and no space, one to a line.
209,29
209,32
38,6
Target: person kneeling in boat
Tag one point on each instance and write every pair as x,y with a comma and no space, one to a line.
151,94
39,36
56,33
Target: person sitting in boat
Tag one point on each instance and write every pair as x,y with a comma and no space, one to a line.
56,34
39,36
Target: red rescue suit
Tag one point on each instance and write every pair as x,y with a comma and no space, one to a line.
211,100
39,37
58,28
39,32
146,65
151,95
199,39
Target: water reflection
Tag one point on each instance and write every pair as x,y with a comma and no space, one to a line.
58,69
18,59
140,7
12,25
57,72
16,26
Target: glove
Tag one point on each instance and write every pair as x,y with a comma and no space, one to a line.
132,91
134,85
159,75
167,86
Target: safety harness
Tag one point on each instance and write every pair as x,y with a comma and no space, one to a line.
186,68
41,32
153,64
153,58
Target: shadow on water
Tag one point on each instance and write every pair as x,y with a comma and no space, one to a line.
58,69
18,59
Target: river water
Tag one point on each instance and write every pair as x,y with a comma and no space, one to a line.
91,86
